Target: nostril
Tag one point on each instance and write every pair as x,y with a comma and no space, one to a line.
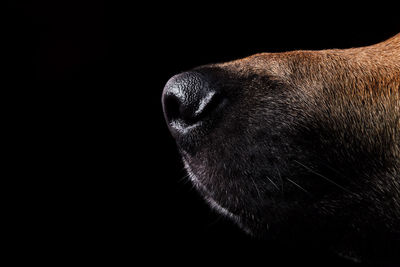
190,113
172,107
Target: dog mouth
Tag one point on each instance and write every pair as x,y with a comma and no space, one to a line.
195,180
216,205
208,195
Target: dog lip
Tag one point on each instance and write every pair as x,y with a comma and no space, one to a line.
224,211
195,180
208,195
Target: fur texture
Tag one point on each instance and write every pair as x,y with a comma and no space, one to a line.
307,148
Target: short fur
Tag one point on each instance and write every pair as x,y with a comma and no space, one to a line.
307,148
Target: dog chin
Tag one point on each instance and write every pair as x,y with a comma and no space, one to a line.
207,195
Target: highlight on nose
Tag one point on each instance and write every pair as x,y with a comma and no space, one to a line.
188,99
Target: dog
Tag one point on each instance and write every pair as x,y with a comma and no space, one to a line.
302,146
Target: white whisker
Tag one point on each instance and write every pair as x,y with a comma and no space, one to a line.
326,178
296,184
272,182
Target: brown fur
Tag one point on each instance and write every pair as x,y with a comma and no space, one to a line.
356,85
326,122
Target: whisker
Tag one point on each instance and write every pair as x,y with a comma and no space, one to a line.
256,187
280,178
322,176
184,179
219,217
335,170
272,182
296,184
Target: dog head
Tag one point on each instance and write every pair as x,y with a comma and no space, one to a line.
296,144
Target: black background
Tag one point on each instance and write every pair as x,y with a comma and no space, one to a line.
101,179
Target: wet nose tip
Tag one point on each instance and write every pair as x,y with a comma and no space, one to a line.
188,98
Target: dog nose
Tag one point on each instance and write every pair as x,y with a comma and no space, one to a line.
188,100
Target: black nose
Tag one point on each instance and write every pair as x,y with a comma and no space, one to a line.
189,100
